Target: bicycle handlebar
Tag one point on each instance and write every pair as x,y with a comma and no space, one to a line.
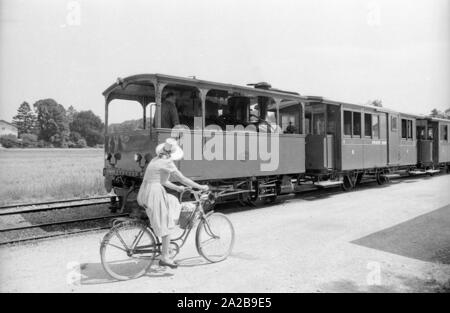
197,193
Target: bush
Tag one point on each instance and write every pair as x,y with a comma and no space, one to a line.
29,140
9,141
81,143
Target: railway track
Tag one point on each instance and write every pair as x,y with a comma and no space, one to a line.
44,230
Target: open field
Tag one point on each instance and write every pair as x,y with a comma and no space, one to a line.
44,174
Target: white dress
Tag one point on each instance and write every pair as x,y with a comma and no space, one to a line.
161,207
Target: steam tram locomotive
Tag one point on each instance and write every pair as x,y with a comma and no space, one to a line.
312,141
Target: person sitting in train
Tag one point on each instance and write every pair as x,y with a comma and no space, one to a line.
169,112
162,208
290,129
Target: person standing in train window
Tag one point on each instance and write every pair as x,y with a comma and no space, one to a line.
169,112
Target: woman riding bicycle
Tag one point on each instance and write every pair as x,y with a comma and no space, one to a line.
162,208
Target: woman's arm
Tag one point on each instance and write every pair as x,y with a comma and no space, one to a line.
186,181
172,186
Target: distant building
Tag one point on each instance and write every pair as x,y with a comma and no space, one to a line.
7,128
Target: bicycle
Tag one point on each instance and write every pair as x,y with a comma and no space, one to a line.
137,247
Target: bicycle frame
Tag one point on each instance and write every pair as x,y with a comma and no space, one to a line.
182,238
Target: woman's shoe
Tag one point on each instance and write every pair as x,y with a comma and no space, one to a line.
171,265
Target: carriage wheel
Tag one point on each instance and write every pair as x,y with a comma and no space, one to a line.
347,183
359,178
381,180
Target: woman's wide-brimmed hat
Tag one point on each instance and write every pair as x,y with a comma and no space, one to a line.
170,146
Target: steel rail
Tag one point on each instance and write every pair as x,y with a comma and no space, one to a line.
18,205
62,222
80,231
11,211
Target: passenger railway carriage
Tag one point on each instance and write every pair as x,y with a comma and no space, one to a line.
321,142
346,142
433,143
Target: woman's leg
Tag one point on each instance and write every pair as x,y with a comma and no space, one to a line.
165,242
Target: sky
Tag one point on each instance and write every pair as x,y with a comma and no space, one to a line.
348,50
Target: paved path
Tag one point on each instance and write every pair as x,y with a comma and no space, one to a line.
391,238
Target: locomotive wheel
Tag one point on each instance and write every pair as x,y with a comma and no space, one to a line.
347,184
448,169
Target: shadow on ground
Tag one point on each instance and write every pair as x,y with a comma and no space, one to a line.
407,284
426,237
94,274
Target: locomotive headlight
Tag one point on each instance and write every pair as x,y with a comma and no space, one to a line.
137,157
117,156
108,156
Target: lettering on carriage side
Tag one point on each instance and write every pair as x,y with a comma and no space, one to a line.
194,303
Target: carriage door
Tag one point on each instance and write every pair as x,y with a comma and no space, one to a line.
393,139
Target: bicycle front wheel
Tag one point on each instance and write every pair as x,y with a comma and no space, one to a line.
128,250
215,237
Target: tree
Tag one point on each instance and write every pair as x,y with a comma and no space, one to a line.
52,122
89,126
25,120
376,103
70,114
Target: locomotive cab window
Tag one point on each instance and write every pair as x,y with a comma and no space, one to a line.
290,117
444,132
180,105
128,115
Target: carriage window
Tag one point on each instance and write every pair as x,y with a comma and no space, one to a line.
347,123
383,126
356,124
430,133
375,126
367,125
421,133
318,123
410,129
394,123
404,129
444,132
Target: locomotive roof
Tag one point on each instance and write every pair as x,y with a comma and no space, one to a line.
142,85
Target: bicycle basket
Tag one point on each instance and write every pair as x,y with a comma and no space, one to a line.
187,217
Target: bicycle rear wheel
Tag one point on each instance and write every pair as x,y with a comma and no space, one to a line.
215,237
128,250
